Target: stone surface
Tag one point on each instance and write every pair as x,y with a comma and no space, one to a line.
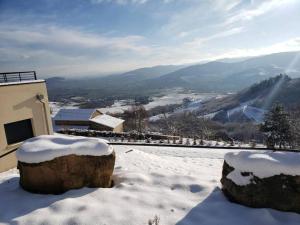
67,172
281,192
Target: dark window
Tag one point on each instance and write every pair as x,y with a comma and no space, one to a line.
18,131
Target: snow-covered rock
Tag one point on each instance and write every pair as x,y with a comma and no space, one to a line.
264,164
263,179
47,147
53,164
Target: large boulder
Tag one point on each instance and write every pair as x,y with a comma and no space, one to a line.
53,165
249,187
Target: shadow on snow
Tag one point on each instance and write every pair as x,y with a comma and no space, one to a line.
16,202
217,210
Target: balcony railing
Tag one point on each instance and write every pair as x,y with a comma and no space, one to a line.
17,76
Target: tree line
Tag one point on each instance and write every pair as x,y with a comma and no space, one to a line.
280,129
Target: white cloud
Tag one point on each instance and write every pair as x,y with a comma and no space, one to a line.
121,2
225,5
285,46
68,38
125,2
185,54
51,48
198,42
218,15
257,8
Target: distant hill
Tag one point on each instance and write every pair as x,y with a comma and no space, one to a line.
221,76
251,103
123,85
148,72
136,78
216,76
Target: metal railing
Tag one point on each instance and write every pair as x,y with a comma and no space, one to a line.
17,76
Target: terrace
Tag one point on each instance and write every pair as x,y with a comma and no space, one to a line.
179,185
8,77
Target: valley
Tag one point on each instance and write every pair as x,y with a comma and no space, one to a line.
221,98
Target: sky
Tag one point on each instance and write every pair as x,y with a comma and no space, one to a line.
96,37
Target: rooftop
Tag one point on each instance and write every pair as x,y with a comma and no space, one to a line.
85,115
74,114
107,120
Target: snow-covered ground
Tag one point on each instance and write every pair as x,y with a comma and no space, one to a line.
180,185
56,106
177,98
253,113
118,107
172,97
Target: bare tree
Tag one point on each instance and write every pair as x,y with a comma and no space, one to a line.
135,118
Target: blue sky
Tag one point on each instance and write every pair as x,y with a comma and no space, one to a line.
94,37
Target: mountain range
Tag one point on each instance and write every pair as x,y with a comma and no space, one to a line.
217,76
220,76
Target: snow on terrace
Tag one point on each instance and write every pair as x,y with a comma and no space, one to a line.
180,185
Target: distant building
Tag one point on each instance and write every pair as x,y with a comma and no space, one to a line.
24,113
72,118
87,119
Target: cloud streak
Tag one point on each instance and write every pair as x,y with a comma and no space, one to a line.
257,9
67,38
121,2
125,2
60,48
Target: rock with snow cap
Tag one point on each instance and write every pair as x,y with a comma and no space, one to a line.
52,164
263,179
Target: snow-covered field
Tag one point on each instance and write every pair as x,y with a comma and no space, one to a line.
117,107
180,185
177,98
172,97
56,106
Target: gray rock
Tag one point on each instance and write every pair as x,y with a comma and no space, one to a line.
281,192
